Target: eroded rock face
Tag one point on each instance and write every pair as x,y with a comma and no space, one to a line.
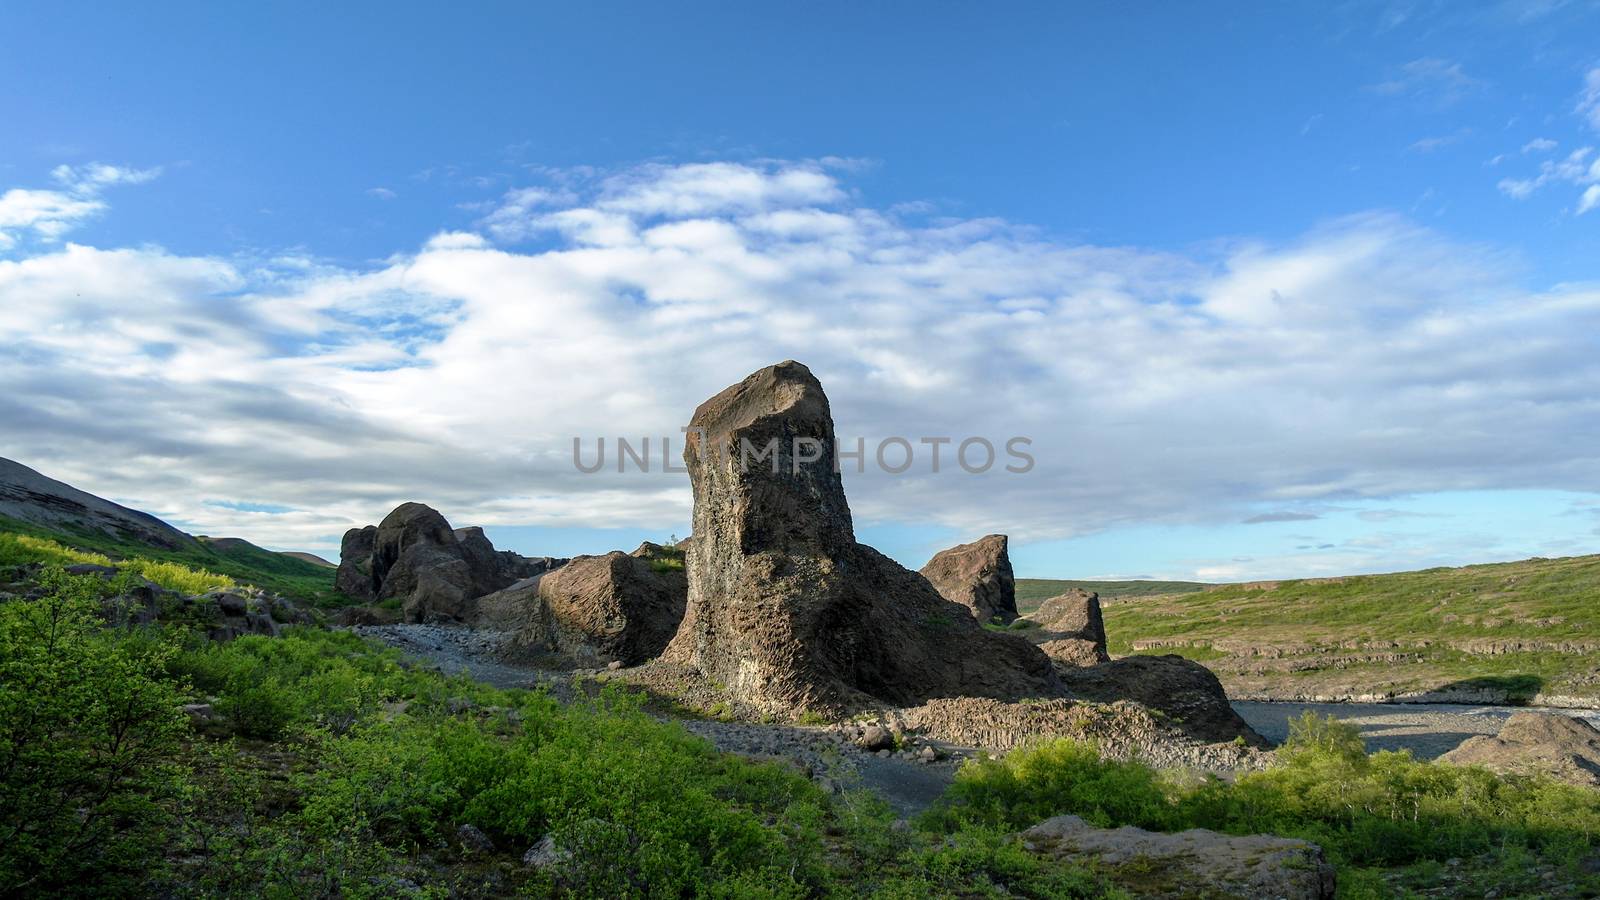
616,607
1537,743
784,607
978,576
1071,628
436,571
1194,863
1186,692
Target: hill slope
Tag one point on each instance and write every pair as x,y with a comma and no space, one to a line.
1521,631
38,506
28,496
1033,591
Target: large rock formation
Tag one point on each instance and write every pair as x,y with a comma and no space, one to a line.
436,571
1194,863
1188,694
785,608
617,607
1537,743
1071,628
977,576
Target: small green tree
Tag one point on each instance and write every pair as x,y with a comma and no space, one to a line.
88,732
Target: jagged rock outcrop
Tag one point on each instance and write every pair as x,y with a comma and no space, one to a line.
1537,743
1194,863
785,609
978,576
1187,693
436,571
1071,629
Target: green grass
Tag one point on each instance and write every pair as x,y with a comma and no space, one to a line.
242,562
1435,614
1033,591
21,549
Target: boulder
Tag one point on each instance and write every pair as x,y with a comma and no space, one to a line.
1071,629
1076,652
354,577
1195,863
435,571
977,576
1530,743
1073,614
785,609
1185,692
616,607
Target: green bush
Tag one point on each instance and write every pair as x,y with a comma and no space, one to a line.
89,730
1386,810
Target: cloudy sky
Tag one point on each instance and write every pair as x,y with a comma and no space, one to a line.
1271,290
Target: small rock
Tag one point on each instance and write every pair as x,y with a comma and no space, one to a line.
876,737
199,712
929,754
614,665
474,840
544,854
883,754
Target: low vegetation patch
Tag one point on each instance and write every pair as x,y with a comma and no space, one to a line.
1384,819
21,549
319,764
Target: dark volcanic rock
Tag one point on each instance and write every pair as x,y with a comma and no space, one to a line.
1186,692
355,578
1071,628
977,576
785,608
1537,743
436,571
615,607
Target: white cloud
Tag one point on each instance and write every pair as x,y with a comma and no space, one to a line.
382,193
1440,82
1539,145
1589,99
1590,199
49,214
1574,168
1369,358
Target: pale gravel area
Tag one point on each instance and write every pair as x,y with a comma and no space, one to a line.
1426,729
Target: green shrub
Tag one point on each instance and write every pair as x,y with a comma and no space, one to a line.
20,549
1386,810
89,729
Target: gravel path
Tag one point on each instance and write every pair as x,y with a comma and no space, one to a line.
1426,729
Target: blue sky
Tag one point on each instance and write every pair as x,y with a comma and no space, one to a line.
269,269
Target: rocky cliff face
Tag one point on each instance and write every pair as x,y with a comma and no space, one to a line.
436,571
784,607
978,576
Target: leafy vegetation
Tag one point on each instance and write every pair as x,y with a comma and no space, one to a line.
1378,814
1526,626
239,560
322,765
20,549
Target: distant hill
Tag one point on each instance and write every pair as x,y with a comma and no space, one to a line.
34,504
1526,630
28,496
1032,591
312,558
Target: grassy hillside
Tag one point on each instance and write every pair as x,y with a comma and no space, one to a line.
234,558
1032,591
1525,628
